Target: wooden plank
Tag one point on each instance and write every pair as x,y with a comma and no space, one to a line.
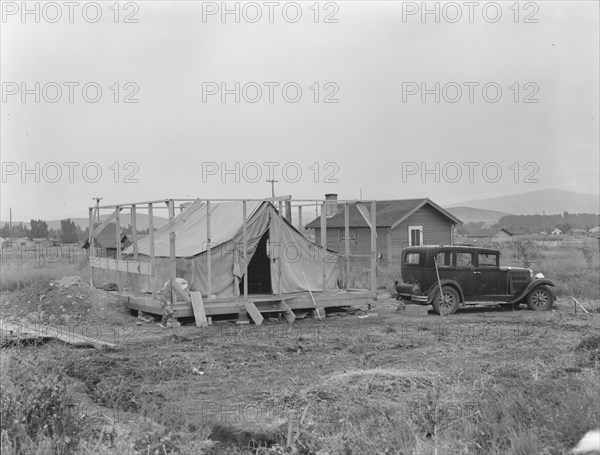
323,244
245,246
253,312
208,254
134,240
91,243
288,314
389,247
106,222
118,245
198,307
347,243
181,292
151,238
364,211
140,268
55,332
373,247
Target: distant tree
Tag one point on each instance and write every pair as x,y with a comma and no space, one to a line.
5,231
54,234
81,235
472,227
68,231
39,229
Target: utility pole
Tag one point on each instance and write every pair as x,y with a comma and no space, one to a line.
272,182
10,223
97,199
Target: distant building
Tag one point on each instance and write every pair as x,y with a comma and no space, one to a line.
400,223
105,244
490,235
594,231
556,231
578,232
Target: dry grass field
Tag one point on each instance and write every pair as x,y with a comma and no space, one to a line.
483,381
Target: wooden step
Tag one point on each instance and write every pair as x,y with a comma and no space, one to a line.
253,312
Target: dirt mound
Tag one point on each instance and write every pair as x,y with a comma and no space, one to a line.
68,300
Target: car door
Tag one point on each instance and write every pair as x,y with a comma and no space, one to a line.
491,281
465,273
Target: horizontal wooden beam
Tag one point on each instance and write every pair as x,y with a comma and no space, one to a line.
140,268
142,204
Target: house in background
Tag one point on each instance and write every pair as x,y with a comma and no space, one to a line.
578,232
105,244
490,235
556,231
400,223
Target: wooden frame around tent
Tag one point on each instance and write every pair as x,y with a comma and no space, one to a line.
366,208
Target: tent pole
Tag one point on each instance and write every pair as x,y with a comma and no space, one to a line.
347,244
208,258
134,239
300,227
245,250
151,238
324,243
91,246
118,245
172,255
373,248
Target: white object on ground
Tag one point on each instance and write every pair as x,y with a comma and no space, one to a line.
589,443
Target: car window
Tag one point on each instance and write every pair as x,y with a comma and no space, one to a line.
487,260
444,259
411,258
464,259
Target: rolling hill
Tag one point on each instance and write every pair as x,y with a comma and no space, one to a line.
470,214
552,201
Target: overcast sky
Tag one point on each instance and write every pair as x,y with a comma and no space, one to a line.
373,58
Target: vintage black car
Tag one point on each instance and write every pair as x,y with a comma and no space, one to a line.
468,275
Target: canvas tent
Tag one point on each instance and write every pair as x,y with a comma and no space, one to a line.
279,257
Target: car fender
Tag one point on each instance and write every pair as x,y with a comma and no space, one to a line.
433,289
534,284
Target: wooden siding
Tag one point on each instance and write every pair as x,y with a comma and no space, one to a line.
437,229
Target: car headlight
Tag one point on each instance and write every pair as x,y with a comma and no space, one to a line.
539,276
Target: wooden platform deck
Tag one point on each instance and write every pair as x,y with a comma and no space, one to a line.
264,303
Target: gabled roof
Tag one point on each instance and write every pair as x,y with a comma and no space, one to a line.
389,213
106,240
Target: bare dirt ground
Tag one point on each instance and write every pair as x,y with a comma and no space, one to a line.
485,380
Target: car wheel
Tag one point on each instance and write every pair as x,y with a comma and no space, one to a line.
447,303
540,299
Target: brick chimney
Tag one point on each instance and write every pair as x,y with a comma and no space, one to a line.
331,205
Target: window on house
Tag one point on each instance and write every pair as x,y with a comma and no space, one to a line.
415,235
352,232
